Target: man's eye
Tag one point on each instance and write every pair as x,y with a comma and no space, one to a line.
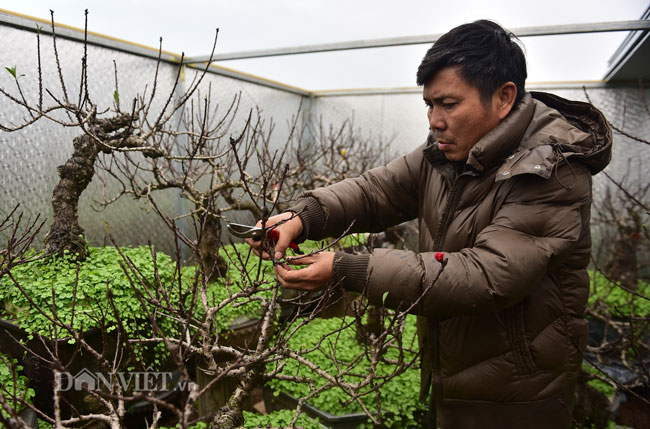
448,105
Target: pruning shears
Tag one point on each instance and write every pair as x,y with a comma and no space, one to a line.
255,232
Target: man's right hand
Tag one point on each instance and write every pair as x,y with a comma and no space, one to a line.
289,231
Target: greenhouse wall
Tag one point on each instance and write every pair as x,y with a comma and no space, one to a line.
402,118
29,157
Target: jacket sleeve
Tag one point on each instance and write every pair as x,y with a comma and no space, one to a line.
532,233
379,198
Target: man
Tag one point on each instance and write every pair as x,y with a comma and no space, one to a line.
503,188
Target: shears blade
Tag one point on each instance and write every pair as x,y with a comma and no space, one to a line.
244,231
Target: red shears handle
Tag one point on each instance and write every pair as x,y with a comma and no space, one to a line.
274,234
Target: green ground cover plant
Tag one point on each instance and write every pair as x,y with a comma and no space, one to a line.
609,303
597,384
88,295
48,290
617,300
54,278
77,294
13,385
399,396
276,419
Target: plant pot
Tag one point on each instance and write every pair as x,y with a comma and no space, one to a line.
140,412
242,332
13,342
286,401
611,363
339,304
217,395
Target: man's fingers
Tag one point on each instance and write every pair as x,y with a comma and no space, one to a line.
257,248
256,245
291,278
282,229
315,276
263,255
280,248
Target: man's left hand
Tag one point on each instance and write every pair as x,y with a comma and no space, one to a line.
316,276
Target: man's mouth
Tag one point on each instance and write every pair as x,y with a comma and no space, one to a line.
443,145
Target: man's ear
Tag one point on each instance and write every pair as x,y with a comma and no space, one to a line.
504,98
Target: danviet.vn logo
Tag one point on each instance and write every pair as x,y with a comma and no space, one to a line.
131,381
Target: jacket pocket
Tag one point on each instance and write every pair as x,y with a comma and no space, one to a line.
515,326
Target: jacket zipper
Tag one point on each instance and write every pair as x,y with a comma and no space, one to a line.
436,394
446,214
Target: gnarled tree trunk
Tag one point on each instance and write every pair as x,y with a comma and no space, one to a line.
76,174
215,265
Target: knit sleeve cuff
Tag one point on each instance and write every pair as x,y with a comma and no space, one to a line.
312,217
350,271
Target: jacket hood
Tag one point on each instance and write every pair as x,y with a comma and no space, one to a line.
594,152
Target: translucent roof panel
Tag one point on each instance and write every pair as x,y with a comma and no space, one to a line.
562,58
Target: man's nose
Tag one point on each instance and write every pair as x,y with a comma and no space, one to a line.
436,122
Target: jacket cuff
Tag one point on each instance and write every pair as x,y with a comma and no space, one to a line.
312,217
350,271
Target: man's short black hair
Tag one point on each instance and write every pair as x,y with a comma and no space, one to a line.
486,54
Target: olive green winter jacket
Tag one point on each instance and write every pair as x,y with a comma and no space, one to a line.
502,329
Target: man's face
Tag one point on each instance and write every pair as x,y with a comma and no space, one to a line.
456,113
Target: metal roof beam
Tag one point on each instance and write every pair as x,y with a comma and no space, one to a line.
531,86
547,30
